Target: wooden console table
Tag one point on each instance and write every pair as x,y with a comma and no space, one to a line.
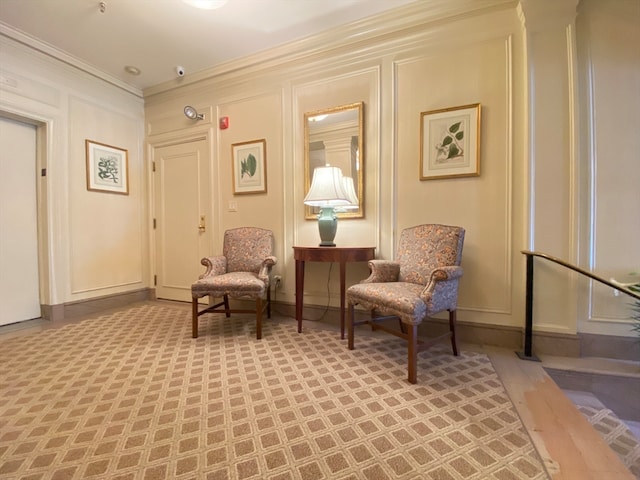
341,255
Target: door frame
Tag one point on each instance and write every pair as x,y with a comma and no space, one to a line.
193,134
43,152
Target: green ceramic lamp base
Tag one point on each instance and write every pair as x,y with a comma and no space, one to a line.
328,226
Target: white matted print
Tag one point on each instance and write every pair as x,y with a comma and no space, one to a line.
107,168
450,142
249,164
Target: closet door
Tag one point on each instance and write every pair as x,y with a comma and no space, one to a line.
182,216
19,278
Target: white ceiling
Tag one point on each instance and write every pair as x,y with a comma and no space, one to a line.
156,36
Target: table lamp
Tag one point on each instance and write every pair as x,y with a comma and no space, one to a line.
327,192
347,183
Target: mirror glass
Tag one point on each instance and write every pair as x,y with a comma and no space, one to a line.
334,136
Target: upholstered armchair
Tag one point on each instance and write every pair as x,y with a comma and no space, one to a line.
422,281
241,272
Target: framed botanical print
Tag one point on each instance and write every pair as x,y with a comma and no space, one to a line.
107,168
450,142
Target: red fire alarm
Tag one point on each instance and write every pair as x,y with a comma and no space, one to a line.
224,123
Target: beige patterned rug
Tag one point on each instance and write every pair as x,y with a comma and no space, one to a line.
616,434
132,396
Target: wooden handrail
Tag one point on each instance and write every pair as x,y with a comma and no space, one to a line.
615,286
528,333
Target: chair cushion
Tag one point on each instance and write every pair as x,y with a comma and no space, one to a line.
235,284
401,299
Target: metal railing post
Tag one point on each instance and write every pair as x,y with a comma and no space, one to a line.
528,333
528,329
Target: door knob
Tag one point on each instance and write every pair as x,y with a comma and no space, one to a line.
202,227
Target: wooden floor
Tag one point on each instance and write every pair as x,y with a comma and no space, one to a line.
569,446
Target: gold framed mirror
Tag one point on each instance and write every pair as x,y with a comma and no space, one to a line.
335,136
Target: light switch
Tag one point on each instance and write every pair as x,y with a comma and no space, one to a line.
233,206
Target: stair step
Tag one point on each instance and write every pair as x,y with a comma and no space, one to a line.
616,383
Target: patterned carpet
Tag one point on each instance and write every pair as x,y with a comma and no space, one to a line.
616,434
131,395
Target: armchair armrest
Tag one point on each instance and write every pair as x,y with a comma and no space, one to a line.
265,268
215,266
441,274
441,291
382,271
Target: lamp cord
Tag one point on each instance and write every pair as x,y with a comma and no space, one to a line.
326,308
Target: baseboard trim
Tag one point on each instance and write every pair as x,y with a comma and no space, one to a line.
609,346
544,343
95,305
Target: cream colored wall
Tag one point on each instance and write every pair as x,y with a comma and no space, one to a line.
91,244
519,61
583,78
550,175
407,72
609,70
253,115
252,118
559,170
107,232
479,69
360,83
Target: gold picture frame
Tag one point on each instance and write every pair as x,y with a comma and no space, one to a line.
450,142
249,166
107,168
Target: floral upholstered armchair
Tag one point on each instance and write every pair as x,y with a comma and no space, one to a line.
422,281
241,272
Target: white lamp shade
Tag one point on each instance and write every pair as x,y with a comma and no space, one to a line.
347,183
327,189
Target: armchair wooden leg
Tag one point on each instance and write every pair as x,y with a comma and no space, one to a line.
259,308
194,317
452,327
413,353
227,310
350,332
268,303
403,328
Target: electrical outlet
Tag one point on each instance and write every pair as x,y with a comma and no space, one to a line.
277,281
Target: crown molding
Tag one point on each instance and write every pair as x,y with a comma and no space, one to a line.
391,22
57,54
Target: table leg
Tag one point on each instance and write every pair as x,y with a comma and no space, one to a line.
343,269
299,292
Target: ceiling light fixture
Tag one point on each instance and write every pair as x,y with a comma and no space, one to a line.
205,4
192,113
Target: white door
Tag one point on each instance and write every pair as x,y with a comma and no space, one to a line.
19,280
182,216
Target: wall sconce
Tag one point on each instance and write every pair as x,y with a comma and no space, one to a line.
192,113
327,192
